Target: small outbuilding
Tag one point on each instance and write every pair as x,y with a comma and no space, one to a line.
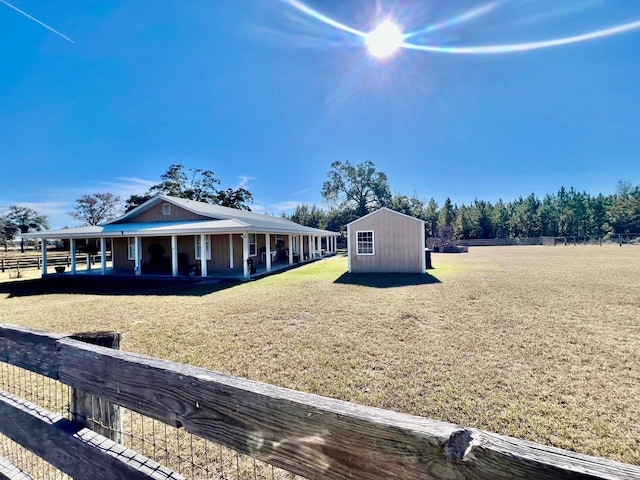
386,241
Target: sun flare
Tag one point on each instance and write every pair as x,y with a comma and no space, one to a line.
385,40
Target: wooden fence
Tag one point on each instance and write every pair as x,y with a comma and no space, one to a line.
308,435
35,261
614,238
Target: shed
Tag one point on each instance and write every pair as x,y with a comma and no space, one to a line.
386,241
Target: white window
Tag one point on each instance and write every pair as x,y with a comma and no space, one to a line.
253,245
365,243
166,209
207,246
132,248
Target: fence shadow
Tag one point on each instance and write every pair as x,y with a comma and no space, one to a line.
386,280
112,286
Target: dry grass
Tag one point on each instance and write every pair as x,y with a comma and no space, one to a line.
541,343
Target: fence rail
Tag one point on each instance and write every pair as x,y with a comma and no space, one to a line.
620,239
305,434
35,261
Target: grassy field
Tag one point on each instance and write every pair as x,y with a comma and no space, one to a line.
541,343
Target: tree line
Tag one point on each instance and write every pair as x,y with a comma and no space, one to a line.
356,190
352,191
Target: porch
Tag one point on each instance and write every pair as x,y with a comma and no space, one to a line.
229,275
195,249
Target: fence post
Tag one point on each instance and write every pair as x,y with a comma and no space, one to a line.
89,410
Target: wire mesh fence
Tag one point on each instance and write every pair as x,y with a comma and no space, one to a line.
582,239
188,455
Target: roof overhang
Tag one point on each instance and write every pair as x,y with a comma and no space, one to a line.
384,209
163,229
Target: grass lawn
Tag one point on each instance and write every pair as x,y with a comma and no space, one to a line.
541,343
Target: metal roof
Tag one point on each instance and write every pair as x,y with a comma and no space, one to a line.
223,220
383,209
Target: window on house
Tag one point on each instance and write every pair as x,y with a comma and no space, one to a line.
365,243
132,248
207,247
253,245
166,209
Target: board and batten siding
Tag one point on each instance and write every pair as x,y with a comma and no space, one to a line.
220,252
155,214
187,246
398,243
120,253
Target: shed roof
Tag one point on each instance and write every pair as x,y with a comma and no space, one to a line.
385,209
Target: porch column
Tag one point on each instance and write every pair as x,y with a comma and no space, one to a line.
311,247
203,255
72,247
290,249
136,256
231,250
267,242
300,249
174,255
43,247
245,255
103,255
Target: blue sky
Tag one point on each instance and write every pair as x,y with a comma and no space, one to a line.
268,96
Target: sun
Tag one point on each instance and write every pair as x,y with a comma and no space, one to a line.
384,40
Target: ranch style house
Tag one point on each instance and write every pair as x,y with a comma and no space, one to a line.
173,236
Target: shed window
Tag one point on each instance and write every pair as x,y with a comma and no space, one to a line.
207,240
132,248
365,243
166,209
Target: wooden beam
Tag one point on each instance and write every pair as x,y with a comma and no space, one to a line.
314,436
77,451
507,458
30,349
8,471
92,411
309,435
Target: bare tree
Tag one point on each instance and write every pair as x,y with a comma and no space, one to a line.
97,208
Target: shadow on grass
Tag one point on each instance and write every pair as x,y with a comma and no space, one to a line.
112,286
386,280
